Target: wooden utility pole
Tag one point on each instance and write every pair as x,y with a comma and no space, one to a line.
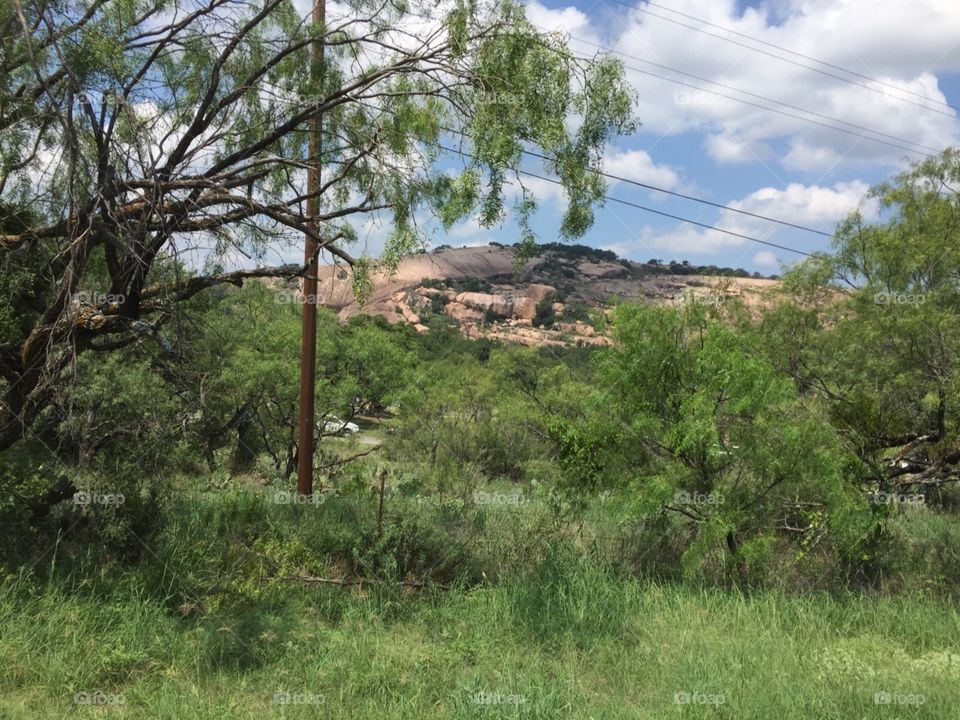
308,339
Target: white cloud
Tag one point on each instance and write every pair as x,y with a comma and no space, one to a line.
906,43
569,20
766,259
637,165
807,157
674,243
811,205
815,206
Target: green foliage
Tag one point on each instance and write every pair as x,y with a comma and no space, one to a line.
732,448
577,310
233,92
545,315
575,251
743,444
578,494
455,415
881,348
557,635
920,549
438,303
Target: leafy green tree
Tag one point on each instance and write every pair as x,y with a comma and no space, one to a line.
726,442
241,374
376,360
881,348
186,124
461,413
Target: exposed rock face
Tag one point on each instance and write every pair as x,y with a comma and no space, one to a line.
513,295
459,311
597,341
409,315
499,304
600,270
520,335
391,311
537,292
525,308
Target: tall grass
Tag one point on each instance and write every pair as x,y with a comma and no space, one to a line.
569,640
213,622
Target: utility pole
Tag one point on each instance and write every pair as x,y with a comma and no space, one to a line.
308,338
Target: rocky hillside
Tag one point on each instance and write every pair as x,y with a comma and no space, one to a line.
556,298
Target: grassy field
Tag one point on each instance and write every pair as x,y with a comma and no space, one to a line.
569,640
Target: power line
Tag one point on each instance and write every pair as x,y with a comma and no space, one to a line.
752,94
783,59
648,209
782,112
801,55
646,186
675,81
859,135
681,219
696,199
674,193
637,183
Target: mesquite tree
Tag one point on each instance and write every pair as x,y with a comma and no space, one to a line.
137,136
883,351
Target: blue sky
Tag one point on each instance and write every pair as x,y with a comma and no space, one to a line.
740,155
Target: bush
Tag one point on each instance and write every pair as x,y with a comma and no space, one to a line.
919,549
438,303
545,315
433,283
29,492
474,284
491,316
577,310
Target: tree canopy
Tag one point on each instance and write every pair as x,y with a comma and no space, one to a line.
138,138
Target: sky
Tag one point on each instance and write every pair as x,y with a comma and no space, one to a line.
905,83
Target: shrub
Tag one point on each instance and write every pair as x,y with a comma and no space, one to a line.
545,315
438,303
433,283
919,549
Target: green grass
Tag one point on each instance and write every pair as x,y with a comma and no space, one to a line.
565,640
209,623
